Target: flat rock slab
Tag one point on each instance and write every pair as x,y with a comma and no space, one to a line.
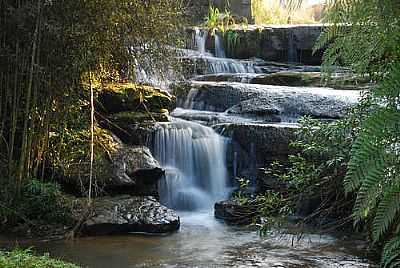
271,101
126,214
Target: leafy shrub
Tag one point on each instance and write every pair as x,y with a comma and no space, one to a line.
218,21
38,203
25,259
320,166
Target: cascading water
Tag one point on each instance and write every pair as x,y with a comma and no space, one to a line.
200,38
219,47
219,63
194,159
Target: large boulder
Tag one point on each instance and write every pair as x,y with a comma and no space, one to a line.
231,212
126,214
134,171
276,101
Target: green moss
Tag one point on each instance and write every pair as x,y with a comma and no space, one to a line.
26,259
120,97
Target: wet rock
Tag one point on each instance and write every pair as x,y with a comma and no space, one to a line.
126,214
285,102
122,97
134,171
131,132
291,43
264,142
232,212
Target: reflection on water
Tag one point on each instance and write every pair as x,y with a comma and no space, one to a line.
205,242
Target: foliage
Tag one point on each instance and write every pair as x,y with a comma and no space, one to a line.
232,40
217,21
25,258
51,54
240,196
364,35
320,164
39,203
268,208
373,170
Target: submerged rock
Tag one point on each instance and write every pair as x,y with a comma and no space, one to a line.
126,214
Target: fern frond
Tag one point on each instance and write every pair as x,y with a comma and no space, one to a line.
391,253
371,157
388,210
368,152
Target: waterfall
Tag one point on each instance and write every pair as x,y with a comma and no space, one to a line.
219,46
226,65
200,38
194,159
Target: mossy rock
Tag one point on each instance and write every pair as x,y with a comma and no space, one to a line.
123,97
294,79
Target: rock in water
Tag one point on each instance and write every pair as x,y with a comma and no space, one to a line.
126,214
233,213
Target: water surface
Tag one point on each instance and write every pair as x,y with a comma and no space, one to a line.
206,242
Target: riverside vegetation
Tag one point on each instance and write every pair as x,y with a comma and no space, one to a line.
354,162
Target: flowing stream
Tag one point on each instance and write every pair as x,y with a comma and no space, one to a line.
204,242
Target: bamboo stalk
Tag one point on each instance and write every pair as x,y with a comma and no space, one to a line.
24,147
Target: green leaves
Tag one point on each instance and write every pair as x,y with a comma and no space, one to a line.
391,253
373,169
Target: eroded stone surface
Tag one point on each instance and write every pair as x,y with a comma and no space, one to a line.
126,214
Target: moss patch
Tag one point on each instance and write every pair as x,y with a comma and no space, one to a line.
122,97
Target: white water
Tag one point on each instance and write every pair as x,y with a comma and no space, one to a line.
219,63
194,159
200,39
219,46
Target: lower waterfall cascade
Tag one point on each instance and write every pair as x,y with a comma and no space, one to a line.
193,157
